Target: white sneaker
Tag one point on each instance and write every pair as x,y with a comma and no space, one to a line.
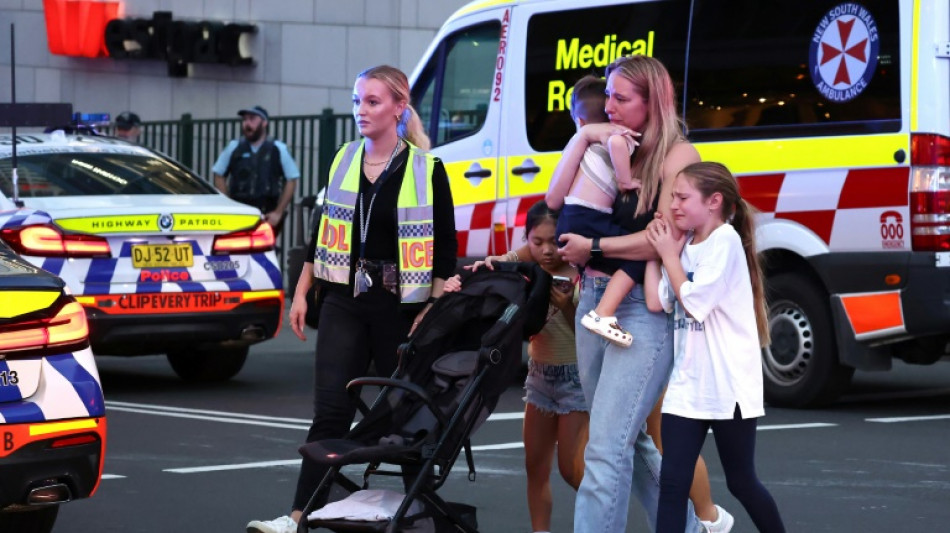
284,524
723,523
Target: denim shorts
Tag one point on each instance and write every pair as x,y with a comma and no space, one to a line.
554,389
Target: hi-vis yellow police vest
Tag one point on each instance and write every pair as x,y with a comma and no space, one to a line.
331,262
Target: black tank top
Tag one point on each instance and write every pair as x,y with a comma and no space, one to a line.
625,223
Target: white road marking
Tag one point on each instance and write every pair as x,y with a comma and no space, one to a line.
518,415
218,468
304,424
797,426
163,409
896,419
210,418
484,447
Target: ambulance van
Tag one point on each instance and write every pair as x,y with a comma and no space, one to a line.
834,115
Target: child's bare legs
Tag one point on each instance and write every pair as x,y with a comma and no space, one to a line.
601,319
699,492
572,433
617,288
541,432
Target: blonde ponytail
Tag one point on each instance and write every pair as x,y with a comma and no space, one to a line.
744,222
411,128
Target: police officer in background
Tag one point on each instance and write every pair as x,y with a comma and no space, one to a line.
256,170
128,126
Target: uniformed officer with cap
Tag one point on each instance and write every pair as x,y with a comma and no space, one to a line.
128,126
257,170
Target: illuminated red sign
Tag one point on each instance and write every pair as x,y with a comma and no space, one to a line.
75,27
94,28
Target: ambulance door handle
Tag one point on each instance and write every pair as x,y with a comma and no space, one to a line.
480,173
518,171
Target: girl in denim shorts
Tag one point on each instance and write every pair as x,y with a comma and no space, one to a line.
555,410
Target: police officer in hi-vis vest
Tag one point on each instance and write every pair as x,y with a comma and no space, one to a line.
382,250
257,170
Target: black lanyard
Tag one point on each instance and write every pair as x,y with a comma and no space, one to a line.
374,189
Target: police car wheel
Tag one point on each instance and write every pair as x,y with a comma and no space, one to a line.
800,367
208,364
33,520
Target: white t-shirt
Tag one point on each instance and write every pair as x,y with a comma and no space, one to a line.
717,361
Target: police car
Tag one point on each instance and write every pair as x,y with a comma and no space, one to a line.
160,260
52,418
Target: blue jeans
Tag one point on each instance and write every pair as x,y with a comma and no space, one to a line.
621,386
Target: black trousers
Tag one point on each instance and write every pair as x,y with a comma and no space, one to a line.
353,332
735,440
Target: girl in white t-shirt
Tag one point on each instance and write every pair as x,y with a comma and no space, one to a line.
712,282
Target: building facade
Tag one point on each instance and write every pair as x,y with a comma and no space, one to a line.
306,55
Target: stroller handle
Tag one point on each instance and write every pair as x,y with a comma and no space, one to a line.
353,388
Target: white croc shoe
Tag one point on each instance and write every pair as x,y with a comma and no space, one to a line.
608,328
283,524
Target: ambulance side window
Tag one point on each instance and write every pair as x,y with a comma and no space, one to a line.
453,92
787,68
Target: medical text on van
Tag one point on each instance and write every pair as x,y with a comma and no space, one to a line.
572,55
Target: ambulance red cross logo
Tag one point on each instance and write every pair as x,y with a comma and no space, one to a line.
844,52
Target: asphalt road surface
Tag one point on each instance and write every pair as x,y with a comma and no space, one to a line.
190,458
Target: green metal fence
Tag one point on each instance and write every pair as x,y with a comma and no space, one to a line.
312,140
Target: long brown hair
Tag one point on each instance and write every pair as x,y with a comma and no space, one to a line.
663,127
409,125
709,177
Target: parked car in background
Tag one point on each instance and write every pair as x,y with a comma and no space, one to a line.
52,417
160,260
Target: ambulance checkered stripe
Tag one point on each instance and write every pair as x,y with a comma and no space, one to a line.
473,225
843,207
71,389
414,230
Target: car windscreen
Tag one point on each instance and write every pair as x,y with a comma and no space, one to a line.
96,173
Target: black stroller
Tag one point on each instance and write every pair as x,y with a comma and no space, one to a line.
451,373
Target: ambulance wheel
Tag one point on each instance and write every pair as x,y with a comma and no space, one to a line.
208,364
801,367
34,520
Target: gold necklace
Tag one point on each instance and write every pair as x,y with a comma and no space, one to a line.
383,162
372,179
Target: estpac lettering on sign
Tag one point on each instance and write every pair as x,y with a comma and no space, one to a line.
178,42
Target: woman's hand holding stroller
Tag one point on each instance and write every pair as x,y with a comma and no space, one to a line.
489,261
